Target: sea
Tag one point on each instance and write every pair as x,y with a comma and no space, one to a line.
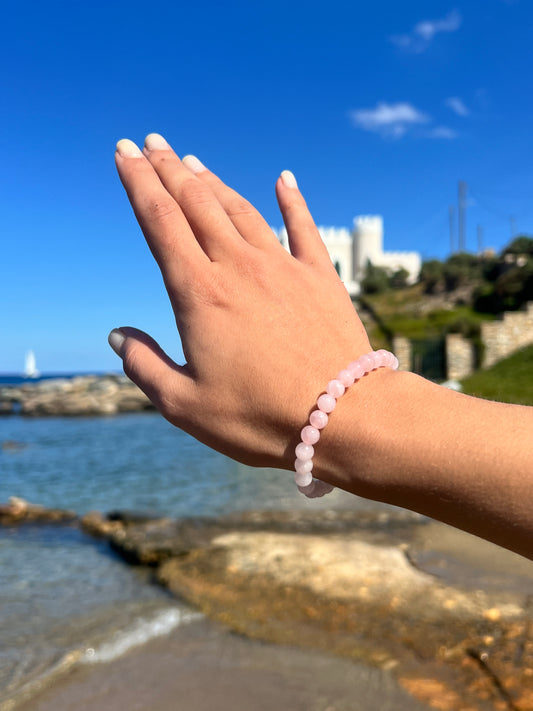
66,599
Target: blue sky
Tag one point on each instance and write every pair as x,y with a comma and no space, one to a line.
376,107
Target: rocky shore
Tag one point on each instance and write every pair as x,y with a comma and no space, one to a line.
83,395
449,615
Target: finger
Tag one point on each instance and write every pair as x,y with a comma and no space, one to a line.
305,241
246,219
165,228
211,226
167,384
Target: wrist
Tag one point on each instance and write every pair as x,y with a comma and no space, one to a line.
355,448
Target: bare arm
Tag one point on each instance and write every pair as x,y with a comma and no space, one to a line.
263,331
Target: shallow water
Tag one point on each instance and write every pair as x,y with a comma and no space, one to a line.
63,594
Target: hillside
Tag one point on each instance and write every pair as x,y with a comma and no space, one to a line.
510,380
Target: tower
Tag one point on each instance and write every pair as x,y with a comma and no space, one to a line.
367,243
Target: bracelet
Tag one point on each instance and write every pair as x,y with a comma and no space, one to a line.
318,419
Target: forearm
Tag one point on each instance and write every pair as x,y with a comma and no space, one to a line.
398,438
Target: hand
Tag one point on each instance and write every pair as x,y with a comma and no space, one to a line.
262,330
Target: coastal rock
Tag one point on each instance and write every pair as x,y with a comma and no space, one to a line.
449,647
83,395
18,511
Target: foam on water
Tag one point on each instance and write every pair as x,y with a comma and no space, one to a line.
162,623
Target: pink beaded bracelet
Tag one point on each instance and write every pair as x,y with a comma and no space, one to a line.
318,419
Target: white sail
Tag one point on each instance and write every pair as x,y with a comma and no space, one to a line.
30,366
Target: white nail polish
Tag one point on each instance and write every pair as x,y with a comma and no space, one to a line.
289,181
128,149
116,340
193,164
155,142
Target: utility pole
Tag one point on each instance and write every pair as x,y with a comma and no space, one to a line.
462,215
480,240
451,214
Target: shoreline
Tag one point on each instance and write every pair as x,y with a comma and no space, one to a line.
443,614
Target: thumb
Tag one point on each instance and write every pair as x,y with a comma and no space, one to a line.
150,368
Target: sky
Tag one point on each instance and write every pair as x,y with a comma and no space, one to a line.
378,108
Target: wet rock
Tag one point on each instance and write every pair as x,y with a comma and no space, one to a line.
19,511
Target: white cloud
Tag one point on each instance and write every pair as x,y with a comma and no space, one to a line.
395,120
457,105
422,34
389,119
442,132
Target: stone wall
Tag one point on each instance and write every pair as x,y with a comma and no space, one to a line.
403,351
502,338
459,357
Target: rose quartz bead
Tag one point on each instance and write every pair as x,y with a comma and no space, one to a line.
367,363
303,478
318,419
346,377
389,359
335,388
302,466
395,363
310,435
356,369
381,357
326,403
304,451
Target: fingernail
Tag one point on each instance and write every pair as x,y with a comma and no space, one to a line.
193,164
116,340
289,181
155,142
128,149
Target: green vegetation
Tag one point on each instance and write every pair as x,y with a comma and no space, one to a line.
510,380
411,313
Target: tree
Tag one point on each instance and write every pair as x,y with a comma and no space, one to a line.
520,245
376,279
398,279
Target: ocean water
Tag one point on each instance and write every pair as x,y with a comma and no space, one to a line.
66,598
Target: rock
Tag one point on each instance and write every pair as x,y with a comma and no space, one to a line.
18,511
83,395
97,525
450,648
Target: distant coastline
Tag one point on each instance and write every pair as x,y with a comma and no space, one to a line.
20,379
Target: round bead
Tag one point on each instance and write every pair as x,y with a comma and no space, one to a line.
356,369
310,435
389,359
367,363
335,388
346,377
326,403
383,356
318,419
303,466
304,451
303,478
395,363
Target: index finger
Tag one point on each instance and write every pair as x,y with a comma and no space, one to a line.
165,227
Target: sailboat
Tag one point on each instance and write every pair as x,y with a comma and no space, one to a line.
30,366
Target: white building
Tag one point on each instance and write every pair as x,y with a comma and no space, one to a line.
350,252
